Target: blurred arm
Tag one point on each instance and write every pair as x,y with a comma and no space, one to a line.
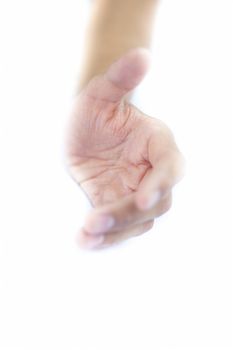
115,27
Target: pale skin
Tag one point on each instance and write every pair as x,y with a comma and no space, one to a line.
125,161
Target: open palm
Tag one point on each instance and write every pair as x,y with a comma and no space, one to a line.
125,161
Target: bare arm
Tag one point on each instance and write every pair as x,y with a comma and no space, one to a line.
115,27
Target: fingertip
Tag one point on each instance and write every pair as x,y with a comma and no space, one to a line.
121,77
130,69
141,58
96,223
86,241
145,57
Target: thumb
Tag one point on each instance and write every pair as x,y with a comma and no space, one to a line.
121,77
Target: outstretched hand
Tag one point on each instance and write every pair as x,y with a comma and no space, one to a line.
125,161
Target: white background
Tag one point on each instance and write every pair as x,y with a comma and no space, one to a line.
169,289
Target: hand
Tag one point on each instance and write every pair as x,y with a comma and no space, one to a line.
125,161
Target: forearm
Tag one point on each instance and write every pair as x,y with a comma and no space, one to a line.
115,27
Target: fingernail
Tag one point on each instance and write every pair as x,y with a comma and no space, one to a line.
99,224
94,242
153,200
88,242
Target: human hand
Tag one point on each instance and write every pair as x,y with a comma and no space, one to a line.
125,161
